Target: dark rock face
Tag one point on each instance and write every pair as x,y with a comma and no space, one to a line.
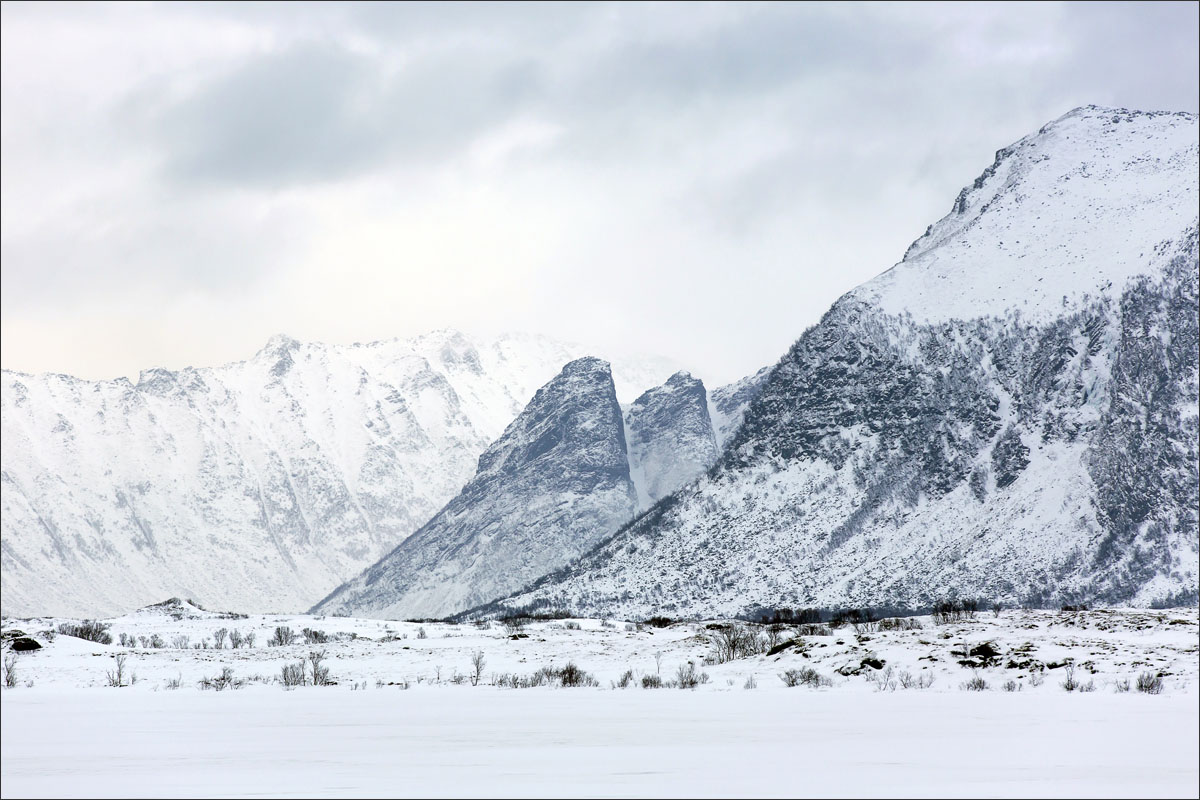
670,437
549,488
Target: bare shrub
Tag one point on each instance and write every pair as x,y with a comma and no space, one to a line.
976,684
997,608
314,637
1036,678
421,633
883,679
144,641
626,680
659,622
731,642
909,681
900,624
571,625
750,683
236,638
607,623
223,681
478,661
1090,686
181,643
116,676
292,674
250,637
219,638
1011,686
282,637
10,670
175,683
652,682
1069,683
571,675
88,629
127,640
687,677
320,674
1150,683
804,676
513,624
1122,686
157,642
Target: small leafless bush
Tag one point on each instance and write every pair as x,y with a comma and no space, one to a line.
976,684
687,677
571,625
175,683
88,629
478,661
883,679
909,681
144,641
997,608
607,623
900,624
10,670
292,674
421,634
731,642
116,676
282,637
571,675
626,680
250,637
750,683
514,624
1069,683
1011,686
652,682
1149,683
219,638
127,640
223,681
236,638
804,676
1122,686
181,643
314,637
1036,678
319,673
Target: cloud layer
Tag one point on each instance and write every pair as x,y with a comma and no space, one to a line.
701,181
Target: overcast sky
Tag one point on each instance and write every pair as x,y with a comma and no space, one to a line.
698,181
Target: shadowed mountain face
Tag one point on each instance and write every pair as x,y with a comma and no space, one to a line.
1009,413
670,437
549,488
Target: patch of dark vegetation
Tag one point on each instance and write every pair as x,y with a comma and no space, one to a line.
660,622
89,629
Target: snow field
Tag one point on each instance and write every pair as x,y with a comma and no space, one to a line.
740,733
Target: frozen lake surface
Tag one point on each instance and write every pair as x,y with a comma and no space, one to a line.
449,741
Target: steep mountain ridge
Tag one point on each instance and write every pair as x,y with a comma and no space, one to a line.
260,484
549,488
1008,413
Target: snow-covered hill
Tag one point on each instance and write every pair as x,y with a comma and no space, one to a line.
260,484
1010,412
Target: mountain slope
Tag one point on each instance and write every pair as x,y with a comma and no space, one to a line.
1010,412
261,484
547,490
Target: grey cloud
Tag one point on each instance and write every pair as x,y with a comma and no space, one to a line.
320,112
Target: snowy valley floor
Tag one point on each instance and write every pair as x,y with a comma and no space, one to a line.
859,733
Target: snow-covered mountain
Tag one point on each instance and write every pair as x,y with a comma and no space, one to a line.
260,484
553,485
1010,412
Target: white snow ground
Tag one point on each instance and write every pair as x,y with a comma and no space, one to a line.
70,735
